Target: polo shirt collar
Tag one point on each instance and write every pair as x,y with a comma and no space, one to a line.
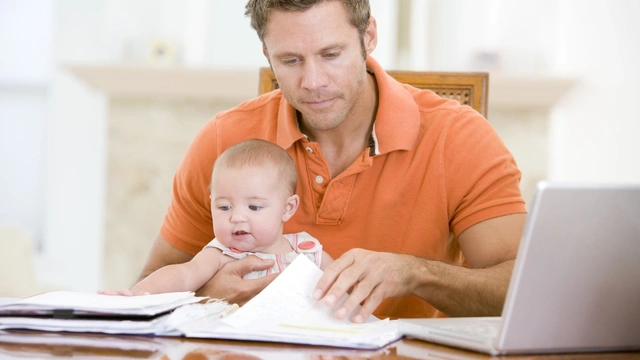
288,131
398,119
396,125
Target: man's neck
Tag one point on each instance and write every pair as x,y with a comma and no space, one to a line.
341,146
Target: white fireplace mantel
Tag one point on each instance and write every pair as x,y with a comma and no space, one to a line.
505,91
169,82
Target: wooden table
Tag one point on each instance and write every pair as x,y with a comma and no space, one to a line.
31,344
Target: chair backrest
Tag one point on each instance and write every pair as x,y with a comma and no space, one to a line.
468,88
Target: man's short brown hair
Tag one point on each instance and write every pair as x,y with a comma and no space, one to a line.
258,11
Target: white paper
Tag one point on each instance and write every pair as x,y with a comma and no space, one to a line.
86,326
287,297
82,302
173,324
285,311
7,300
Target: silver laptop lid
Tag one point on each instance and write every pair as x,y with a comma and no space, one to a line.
576,280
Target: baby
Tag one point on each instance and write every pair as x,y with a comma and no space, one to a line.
252,195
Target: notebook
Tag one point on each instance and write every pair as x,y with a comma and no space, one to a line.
575,285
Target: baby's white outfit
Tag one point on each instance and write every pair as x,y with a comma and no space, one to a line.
302,243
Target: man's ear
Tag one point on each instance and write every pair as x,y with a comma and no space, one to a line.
371,36
265,52
290,207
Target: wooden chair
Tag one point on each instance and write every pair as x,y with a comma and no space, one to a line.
468,88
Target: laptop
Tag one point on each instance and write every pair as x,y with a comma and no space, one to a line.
575,285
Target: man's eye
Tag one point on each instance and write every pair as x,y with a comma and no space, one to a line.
290,61
331,55
254,207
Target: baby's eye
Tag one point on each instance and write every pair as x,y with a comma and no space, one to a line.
254,207
224,207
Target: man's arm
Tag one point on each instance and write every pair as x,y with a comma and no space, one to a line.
226,284
490,248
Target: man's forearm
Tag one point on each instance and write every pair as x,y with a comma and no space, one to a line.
461,291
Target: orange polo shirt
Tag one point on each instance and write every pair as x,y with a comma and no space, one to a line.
435,169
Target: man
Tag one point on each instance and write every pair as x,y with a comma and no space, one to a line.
415,196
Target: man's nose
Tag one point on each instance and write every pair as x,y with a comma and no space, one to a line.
314,76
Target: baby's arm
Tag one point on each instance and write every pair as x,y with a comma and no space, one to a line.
326,261
189,276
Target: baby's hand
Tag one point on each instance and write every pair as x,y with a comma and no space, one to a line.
123,292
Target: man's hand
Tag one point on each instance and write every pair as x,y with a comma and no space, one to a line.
368,276
489,247
228,284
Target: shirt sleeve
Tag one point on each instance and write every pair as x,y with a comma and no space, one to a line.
188,223
482,179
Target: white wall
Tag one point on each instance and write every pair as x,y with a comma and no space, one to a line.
25,70
233,43
109,31
385,13
596,130
75,165
520,34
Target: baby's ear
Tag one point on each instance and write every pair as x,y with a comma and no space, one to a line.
290,207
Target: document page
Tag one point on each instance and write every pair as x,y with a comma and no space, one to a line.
7,300
83,302
285,311
287,297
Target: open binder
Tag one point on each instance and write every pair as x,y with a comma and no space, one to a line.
284,311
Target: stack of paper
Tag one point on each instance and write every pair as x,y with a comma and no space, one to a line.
63,304
284,311
90,312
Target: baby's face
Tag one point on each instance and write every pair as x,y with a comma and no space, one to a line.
248,206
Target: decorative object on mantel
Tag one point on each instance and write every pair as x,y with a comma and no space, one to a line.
162,53
486,60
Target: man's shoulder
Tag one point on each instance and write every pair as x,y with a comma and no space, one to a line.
252,118
266,105
434,108
430,102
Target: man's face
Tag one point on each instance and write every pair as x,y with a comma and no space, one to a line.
317,56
